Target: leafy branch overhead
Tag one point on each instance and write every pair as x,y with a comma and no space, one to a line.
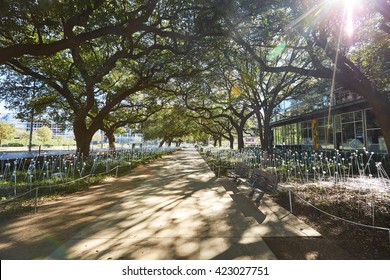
219,67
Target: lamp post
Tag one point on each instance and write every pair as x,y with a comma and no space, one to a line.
31,129
31,119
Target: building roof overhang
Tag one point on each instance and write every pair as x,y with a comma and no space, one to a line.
351,106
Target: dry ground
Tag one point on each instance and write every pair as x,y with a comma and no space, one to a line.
360,242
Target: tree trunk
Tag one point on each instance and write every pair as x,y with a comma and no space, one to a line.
83,137
162,142
261,128
240,138
267,132
83,142
220,141
263,143
231,141
111,140
215,141
381,109
265,129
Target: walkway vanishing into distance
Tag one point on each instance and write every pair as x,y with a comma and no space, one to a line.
172,208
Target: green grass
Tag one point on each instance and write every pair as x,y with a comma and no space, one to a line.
63,141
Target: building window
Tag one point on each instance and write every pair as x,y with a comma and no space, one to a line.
352,131
375,139
325,133
306,133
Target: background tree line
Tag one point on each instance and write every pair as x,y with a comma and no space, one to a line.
212,66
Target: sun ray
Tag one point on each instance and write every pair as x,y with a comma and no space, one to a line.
349,28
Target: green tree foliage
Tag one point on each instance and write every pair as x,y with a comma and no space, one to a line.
132,111
170,124
43,28
148,44
218,129
217,94
6,131
30,99
317,29
371,53
264,91
89,58
44,134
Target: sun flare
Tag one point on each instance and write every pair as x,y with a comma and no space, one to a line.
350,7
349,28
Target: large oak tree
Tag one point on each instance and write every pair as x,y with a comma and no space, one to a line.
92,78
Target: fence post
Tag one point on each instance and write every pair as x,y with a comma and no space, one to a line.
14,175
36,200
290,199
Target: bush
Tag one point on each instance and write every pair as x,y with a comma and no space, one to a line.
13,145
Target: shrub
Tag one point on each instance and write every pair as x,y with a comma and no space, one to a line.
13,145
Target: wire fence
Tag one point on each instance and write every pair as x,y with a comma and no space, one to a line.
34,193
358,170
337,166
291,193
63,174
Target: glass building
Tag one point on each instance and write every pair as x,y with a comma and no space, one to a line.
344,122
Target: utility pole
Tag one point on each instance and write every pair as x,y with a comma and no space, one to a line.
31,129
31,118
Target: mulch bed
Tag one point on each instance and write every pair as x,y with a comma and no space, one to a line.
306,248
357,242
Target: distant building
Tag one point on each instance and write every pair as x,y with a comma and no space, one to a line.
251,141
55,128
344,121
128,138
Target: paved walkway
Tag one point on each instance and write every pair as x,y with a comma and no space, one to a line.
172,208
178,209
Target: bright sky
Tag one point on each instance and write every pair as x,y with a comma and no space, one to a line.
2,109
